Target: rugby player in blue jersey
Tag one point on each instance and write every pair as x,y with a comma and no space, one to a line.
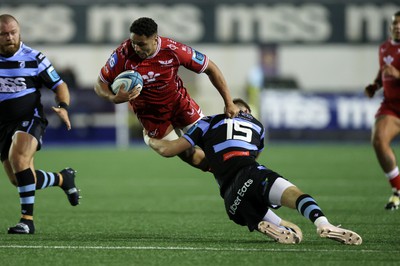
248,188
23,71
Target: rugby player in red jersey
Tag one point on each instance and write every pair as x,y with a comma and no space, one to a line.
163,106
387,118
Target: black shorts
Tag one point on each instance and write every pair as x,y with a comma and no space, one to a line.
34,125
246,198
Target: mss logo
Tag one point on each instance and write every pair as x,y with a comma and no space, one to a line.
11,85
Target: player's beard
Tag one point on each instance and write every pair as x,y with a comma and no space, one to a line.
10,48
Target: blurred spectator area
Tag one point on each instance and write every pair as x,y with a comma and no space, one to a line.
92,118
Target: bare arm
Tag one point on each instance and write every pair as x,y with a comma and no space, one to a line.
372,88
217,79
62,96
167,148
122,96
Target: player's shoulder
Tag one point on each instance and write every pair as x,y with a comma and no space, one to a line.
386,44
28,51
125,49
170,44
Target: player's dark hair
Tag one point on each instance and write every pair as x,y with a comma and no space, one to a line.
240,101
144,26
397,14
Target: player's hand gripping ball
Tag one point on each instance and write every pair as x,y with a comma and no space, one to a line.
130,78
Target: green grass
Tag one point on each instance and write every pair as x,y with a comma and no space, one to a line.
141,209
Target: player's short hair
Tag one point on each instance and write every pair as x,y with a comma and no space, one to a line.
7,18
239,101
144,26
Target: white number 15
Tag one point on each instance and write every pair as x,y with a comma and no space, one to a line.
235,127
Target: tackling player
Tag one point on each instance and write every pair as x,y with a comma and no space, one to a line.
248,188
23,71
387,118
163,106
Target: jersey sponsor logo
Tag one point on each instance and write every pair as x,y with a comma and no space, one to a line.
186,49
41,56
240,194
11,85
388,60
53,74
231,154
153,133
25,123
166,62
150,76
172,46
112,61
198,57
191,112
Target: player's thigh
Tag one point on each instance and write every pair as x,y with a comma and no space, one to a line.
386,128
23,147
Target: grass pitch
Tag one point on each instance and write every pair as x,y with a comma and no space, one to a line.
141,209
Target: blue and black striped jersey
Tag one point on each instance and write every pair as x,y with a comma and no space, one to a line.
21,75
229,144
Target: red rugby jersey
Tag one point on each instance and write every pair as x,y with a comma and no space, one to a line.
161,83
389,54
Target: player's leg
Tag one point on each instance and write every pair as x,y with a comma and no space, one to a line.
65,179
284,193
386,128
21,154
188,112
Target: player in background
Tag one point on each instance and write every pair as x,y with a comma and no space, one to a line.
163,107
23,71
248,188
387,118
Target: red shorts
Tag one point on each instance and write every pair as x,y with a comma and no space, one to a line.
389,108
157,118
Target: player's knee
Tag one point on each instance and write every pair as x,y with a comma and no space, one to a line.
378,141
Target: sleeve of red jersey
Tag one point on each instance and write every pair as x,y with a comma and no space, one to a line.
191,58
112,68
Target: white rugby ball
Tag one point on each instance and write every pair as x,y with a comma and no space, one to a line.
130,78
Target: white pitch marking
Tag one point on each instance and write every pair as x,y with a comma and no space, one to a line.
189,248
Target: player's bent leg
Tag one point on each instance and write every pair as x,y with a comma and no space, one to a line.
10,173
339,234
386,128
286,233
69,187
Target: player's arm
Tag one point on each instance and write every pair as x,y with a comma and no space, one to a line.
102,89
63,101
390,70
217,79
373,87
169,148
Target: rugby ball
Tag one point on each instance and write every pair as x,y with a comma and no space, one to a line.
130,78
